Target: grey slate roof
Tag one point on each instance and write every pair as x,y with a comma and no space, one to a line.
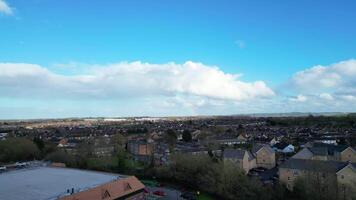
250,156
257,147
326,149
320,151
314,165
331,148
234,153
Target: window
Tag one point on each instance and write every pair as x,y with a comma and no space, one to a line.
342,176
295,173
105,194
288,178
127,187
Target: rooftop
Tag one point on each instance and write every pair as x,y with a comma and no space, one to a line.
315,165
46,183
257,147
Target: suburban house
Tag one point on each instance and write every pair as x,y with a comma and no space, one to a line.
63,142
242,158
272,141
141,150
265,156
229,141
284,147
340,174
161,154
102,151
242,139
327,152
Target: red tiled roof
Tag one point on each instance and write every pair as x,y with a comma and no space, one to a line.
109,191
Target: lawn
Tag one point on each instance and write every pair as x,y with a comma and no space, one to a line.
204,196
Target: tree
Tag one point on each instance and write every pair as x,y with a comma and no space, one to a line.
187,136
222,179
39,142
171,137
121,160
315,186
62,157
119,142
18,149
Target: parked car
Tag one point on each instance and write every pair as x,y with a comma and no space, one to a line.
159,193
188,196
2,169
259,169
252,173
21,165
146,191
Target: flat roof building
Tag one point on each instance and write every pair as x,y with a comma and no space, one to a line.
47,183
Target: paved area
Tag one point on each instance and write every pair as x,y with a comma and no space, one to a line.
171,194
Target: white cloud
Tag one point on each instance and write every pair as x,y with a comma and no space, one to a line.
135,79
338,76
299,98
335,82
5,8
137,88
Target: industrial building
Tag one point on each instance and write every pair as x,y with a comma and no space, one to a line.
50,183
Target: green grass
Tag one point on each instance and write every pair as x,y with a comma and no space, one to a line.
151,183
204,196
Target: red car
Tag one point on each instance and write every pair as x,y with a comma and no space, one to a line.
159,193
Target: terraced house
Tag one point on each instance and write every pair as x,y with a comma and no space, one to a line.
331,177
261,156
327,152
242,158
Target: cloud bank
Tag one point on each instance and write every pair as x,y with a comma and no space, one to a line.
191,88
134,79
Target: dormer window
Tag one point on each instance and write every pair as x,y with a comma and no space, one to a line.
127,187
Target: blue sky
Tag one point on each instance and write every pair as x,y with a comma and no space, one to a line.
268,41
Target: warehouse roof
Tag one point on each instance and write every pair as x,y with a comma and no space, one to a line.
49,183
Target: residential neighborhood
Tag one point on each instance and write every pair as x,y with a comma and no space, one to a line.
271,154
